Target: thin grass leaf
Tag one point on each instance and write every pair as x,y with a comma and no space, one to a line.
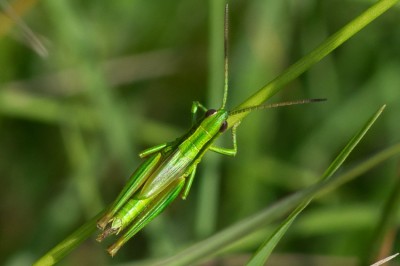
265,250
325,48
69,243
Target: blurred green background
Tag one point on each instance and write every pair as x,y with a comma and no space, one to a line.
116,77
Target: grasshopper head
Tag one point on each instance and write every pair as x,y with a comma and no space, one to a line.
214,121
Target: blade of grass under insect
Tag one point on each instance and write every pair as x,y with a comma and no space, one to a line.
386,223
226,237
265,250
326,47
69,243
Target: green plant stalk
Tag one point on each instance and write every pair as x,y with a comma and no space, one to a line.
69,243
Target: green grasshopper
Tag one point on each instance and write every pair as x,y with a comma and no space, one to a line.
170,168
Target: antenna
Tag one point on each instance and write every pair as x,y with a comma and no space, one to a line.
226,21
273,105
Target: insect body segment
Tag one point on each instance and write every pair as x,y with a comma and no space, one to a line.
135,181
123,217
138,213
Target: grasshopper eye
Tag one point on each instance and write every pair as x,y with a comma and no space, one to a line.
210,112
223,127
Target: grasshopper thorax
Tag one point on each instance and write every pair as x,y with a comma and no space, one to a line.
214,121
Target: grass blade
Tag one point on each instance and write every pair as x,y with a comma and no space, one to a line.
263,252
314,56
69,243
